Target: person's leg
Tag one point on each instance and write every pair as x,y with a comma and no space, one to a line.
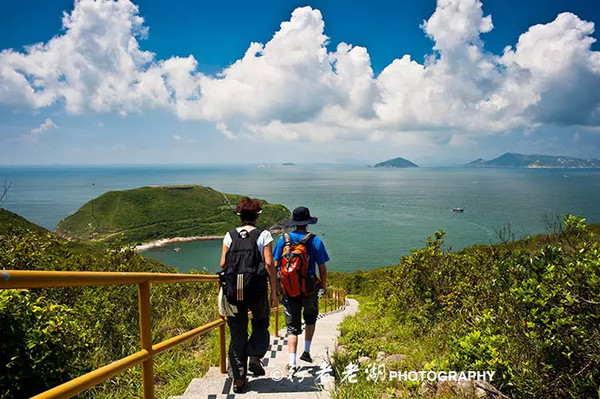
310,313
292,308
259,339
292,348
309,331
238,330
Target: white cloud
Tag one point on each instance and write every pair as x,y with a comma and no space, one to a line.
176,137
222,127
95,66
48,124
553,66
292,88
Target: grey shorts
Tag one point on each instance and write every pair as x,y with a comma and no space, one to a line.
293,312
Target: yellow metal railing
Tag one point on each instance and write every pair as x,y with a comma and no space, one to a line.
19,279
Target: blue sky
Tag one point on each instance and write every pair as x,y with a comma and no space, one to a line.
459,96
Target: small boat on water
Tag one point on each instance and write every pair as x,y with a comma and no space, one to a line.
177,249
458,209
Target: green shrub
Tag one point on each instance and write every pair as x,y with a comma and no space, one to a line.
48,336
41,344
528,310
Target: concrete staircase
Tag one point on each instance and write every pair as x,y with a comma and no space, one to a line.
309,382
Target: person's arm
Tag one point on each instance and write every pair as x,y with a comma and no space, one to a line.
323,275
226,244
223,253
321,259
277,252
272,272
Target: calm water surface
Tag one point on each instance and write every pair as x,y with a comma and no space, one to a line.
367,217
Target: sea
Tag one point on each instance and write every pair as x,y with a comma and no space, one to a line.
368,217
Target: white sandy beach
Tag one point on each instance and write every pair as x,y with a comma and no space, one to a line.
164,241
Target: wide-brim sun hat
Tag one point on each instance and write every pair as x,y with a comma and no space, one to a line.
301,217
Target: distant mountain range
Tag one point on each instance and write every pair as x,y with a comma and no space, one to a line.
513,160
396,163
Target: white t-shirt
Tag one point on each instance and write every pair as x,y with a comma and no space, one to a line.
264,239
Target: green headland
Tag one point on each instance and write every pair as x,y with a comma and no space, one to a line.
156,212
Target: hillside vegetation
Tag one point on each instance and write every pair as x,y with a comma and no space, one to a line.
49,336
528,310
150,213
10,221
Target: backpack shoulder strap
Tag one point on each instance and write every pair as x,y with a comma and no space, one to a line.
255,233
304,240
287,240
233,233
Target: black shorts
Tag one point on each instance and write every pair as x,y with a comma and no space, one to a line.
293,312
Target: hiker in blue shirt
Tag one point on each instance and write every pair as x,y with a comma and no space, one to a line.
304,251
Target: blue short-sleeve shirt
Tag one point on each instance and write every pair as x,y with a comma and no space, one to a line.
317,254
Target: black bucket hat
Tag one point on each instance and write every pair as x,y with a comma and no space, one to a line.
301,217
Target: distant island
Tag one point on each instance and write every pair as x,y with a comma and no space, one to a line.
163,213
513,160
283,165
396,163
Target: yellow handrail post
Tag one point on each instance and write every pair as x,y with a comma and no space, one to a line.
26,279
146,338
331,300
222,360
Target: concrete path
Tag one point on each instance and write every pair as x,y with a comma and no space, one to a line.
310,382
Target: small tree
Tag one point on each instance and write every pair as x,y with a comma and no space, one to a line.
4,192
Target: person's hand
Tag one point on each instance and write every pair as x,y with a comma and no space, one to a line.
274,299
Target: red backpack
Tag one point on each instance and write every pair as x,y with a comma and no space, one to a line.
295,280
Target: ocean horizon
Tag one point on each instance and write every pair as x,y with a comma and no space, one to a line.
368,217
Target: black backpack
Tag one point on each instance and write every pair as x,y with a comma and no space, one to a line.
245,273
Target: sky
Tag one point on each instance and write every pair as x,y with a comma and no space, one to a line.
179,82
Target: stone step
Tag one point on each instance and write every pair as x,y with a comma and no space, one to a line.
275,385
303,384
